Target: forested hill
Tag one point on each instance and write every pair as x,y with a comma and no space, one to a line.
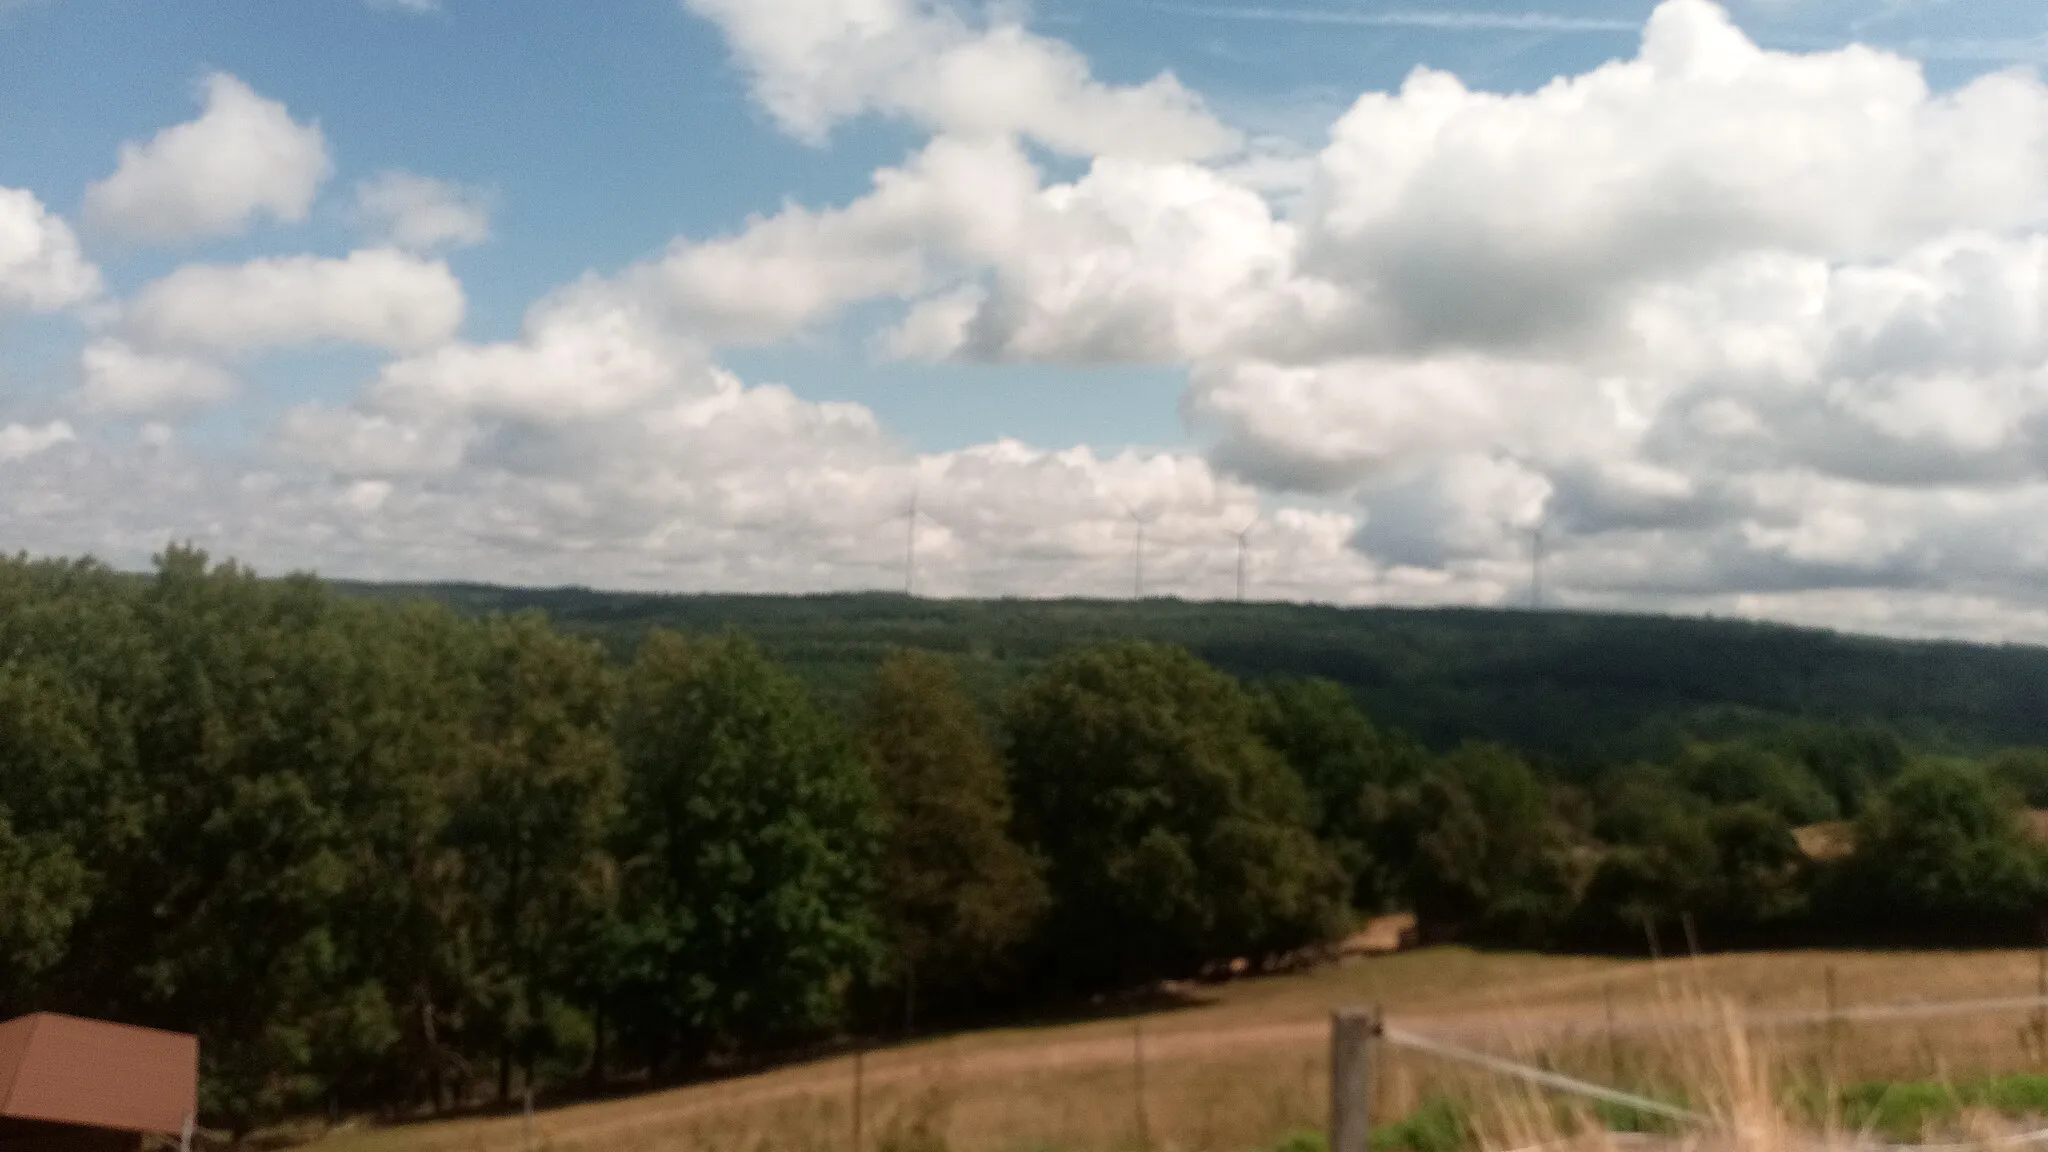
1570,685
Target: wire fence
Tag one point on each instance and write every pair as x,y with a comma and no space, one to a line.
1352,1094
1605,1046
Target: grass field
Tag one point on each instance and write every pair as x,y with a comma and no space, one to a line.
1243,1065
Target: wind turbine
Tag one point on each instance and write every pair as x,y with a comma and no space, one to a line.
910,551
1244,542
1138,551
1536,569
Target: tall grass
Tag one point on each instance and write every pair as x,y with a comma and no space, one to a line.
1248,1068
1756,1087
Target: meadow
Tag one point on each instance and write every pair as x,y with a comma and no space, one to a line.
1243,1065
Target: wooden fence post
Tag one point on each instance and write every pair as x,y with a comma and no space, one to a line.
1353,1036
859,1087
2041,1005
1138,1073
1834,1033
1613,1042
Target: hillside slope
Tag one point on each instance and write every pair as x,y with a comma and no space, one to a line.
1569,685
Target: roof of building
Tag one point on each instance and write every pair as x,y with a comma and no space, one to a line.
94,1074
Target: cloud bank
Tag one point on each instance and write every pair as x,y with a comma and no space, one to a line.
1737,330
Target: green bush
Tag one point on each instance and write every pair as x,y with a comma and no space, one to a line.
1913,1111
2015,1095
1900,1112
1438,1124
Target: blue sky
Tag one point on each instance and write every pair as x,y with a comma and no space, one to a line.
615,145
606,131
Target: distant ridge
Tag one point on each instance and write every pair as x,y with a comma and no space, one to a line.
1569,685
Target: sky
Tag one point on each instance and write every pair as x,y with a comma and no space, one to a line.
1736,309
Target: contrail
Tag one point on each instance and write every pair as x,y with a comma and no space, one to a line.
1435,21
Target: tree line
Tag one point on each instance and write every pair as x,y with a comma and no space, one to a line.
383,856
1577,686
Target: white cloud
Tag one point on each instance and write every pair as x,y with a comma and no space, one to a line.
815,63
1141,262
1135,261
378,297
579,360
935,328
416,7
421,214
954,201
1463,506
1330,427
19,441
1743,331
117,379
41,268
602,444
242,158
1702,147
1701,150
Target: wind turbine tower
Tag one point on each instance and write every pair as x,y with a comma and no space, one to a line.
1536,569
910,551
1243,544
1138,550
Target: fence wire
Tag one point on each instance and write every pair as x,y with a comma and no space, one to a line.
1863,1013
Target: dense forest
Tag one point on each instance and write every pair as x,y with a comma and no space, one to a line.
383,855
1575,686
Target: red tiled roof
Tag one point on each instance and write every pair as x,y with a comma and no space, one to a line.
94,1074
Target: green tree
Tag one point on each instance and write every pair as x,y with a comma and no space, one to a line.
2024,771
414,926
1666,854
1490,855
1739,772
1348,766
43,890
958,893
1659,863
1942,852
48,813
752,840
533,829
1172,834
1762,879
222,913
1847,762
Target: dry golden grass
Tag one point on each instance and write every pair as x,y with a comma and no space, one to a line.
1246,1063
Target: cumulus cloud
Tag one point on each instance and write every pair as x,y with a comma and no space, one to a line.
1702,147
41,268
115,378
19,441
421,214
1739,331
377,297
1148,262
604,441
815,63
244,157
955,202
1700,150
